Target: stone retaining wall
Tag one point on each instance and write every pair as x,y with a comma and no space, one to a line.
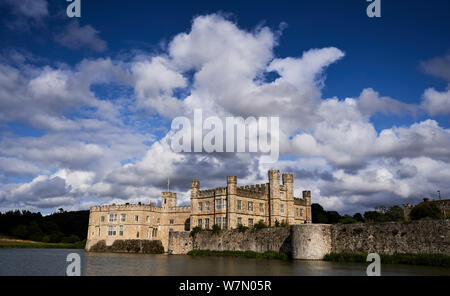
313,241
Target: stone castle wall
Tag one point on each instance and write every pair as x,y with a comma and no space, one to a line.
432,237
257,240
313,241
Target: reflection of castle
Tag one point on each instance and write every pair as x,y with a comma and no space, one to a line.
225,206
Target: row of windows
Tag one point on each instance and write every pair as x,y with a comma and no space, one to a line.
200,223
200,206
249,206
123,218
112,231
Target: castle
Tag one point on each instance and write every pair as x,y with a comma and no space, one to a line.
228,207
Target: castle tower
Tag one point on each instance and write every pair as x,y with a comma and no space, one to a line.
288,182
274,196
231,200
406,211
168,200
307,198
195,188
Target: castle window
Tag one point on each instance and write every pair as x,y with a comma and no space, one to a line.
136,218
239,221
220,204
92,233
301,212
99,231
111,230
171,221
250,222
221,221
239,204
261,207
102,218
199,223
121,230
207,205
281,209
112,217
250,206
147,219
200,206
137,234
123,217
154,232
207,223
159,221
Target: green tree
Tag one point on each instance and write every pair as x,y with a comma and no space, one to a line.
358,217
20,231
394,213
333,217
425,210
318,214
347,219
260,224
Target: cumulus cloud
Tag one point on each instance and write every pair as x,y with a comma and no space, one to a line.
102,154
436,102
29,8
438,66
75,36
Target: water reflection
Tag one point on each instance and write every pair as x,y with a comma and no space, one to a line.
53,262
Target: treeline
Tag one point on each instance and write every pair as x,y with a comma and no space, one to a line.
422,211
59,227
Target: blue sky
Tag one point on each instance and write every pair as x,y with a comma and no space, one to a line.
403,57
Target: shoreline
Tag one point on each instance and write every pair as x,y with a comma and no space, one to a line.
434,260
10,243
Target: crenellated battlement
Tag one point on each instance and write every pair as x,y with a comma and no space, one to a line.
131,207
227,207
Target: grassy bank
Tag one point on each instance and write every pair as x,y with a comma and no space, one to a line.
244,254
7,243
411,259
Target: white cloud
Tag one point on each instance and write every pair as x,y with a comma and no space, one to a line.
330,144
436,102
75,36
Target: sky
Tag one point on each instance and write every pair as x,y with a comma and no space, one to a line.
86,104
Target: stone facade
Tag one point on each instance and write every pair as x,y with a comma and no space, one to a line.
314,241
225,206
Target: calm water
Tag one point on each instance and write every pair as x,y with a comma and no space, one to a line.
53,262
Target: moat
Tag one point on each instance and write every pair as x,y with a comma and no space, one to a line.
53,262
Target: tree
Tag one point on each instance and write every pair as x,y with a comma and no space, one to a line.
318,214
358,217
371,216
425,210
347,219
333,217
394,213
